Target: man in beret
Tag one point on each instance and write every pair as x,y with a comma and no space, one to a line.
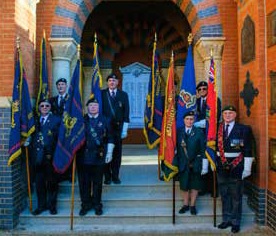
58,102
234,161
191,160
91,159
201,105
43,144
116,107
57,107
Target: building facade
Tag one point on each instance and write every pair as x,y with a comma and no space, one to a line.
240,33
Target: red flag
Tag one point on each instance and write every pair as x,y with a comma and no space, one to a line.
168,133
211,115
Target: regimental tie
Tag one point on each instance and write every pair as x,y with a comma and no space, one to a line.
42,121
226,131
61,101
203,103
113,94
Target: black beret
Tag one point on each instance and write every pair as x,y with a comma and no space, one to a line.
44,100
189,113
229,108
92,100
111,76
61,80
201,84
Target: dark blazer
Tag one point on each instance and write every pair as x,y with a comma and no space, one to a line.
239,140
201,112
98,135
55,108
195,145
44,139
116,109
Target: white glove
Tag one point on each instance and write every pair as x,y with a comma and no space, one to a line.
200,124
124,131
27,142
247,167
108,157
205,164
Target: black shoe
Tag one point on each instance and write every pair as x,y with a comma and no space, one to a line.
107,182
183,209
193,210
38,211
235,229
224,225
116,181
98,211
83,212
53,211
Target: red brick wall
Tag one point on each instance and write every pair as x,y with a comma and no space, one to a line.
17,19
255,9
271,65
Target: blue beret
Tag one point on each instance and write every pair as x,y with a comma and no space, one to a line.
111,76
189,113
46,100
92,100
61,80
201,84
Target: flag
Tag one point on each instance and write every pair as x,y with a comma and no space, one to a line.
22,120
43,92
186,99
154,105
96,77
71,132
211,115
168,134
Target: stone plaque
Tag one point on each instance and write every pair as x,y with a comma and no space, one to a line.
272,92
248,40
135,84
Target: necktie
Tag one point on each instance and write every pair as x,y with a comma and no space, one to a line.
203,104
226,130
188,131
42,121
61,101
113,94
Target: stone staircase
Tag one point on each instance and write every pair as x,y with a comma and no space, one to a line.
141,205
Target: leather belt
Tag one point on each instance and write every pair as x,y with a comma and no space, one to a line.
230,154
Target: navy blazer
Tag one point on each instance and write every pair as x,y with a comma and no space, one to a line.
55,108
116,109
201,112
239,140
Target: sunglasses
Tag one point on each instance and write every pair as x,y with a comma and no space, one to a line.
202,89
47,105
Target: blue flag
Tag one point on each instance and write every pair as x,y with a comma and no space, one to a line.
22,120
96,77
154,105
71,132
186,99
43,92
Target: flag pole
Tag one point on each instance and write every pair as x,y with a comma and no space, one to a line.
72,194
173,208
214,182
73,173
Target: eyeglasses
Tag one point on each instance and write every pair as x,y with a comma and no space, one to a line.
202,89
46,105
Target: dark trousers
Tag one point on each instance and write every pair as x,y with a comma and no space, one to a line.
231,191
112,169
90,183
46,186
208,183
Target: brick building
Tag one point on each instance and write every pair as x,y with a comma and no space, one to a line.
241,33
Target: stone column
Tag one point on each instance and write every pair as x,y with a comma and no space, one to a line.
204,46
63,52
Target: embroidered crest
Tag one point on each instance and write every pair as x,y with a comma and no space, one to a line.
69,123
186,99
15,108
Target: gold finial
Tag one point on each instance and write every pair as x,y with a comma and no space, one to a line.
17,42
172,54
95,37
211,51
78,48
190,38
44,34
155,37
